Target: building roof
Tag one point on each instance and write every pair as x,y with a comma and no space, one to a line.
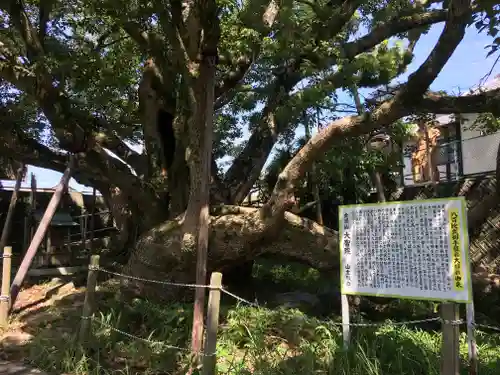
490,85
8,185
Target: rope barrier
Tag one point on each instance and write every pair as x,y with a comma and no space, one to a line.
253,304
137,278
238,298
154,343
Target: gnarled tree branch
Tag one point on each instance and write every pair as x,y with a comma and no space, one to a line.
488,101
62,113
28,33
247,166
393,27
384,115
246,169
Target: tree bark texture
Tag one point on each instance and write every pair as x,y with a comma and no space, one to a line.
236,235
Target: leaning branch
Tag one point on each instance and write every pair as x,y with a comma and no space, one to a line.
488,101
395,26
386,114
31,152
257,149
71,125
60,111
246,168
454,30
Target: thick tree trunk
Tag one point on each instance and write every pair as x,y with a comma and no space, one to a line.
375,173
131,218
379,186
124,220
197,217
237,235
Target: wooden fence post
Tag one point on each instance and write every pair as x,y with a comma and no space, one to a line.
471,339
12,208
210,359
89,302
450,351
346,328
4,295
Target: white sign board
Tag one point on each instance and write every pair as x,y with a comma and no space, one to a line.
414,249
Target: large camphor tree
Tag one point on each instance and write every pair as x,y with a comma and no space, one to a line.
89,77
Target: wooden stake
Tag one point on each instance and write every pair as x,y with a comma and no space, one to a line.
210,359
12,208
32,205
471,338
197,212
92,221
83,223
40,233
4,296
89,302
450,363
346,329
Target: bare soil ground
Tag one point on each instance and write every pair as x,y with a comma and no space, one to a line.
36,309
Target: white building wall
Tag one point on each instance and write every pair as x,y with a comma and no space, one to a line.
478,152
407,175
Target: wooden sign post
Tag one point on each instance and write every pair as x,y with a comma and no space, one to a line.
471,338
450,350
346,329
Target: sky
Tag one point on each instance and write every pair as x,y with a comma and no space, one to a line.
465,69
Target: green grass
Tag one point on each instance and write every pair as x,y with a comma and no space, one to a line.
251,341
293,275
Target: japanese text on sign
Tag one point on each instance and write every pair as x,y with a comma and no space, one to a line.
456,251
413,249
